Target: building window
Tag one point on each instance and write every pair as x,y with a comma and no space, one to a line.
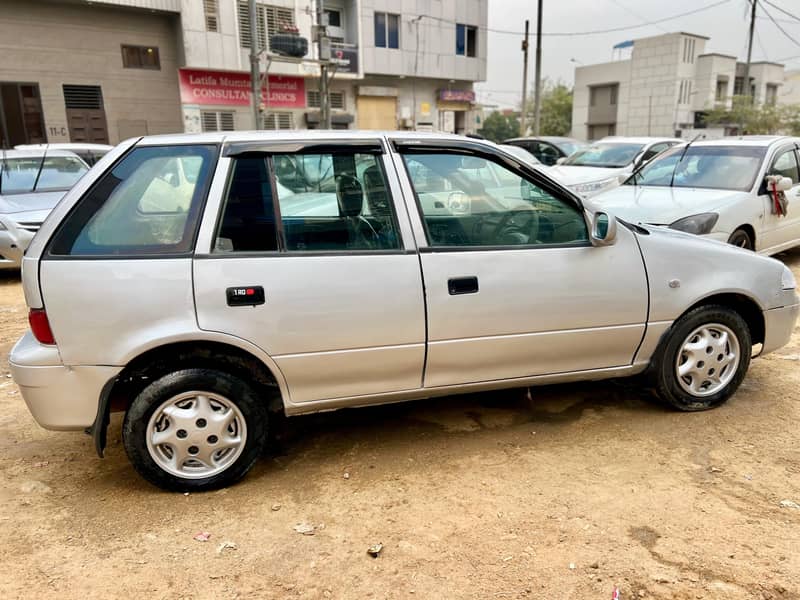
387,30
140,57
216,121
772,94
278,120
334,17
688,49
337,99
603,95
270,20
466,40
211,13
722,89
738,87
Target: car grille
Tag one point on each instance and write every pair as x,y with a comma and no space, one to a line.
32,226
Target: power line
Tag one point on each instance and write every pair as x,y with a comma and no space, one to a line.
593,31
778,25
783,10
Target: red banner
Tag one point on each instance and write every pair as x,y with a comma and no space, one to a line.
224,88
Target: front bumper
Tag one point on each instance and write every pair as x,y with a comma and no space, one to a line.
59,397
13,242
779,324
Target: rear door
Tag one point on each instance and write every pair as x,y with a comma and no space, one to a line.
514,288
312,259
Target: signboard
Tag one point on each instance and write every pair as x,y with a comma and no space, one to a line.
345,57
222,88
457,95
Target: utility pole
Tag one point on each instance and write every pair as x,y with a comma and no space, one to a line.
324,50
523,129
747,90
255,68
537,90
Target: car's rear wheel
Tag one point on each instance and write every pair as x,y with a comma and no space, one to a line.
195,429
742,239
704,359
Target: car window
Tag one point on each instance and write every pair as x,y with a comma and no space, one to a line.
39,174
713,167
605,154
654,150
785,165
547,154
326,202
149,203
502,210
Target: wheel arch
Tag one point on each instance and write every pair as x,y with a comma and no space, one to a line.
157,361
749,230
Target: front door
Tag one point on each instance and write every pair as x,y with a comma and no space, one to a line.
513,286
782,230
318,234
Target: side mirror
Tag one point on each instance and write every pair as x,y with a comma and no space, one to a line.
782,183
561,160
604,229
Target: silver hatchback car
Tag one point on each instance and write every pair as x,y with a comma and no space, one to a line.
201,282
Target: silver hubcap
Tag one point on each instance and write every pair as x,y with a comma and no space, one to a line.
196,434
708,360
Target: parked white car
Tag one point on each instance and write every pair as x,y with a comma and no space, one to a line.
719,189
311,271
89,153
31,184
605,164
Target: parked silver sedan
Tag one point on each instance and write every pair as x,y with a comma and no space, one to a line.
31,184
199,282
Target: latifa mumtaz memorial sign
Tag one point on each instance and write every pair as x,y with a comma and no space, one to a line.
223,88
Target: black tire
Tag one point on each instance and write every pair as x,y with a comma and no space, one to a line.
236,391
741,239
664,369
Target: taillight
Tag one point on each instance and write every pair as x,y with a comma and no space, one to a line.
40,326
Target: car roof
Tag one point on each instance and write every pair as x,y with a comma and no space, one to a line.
638,140
747,140
299,135
35,153
66,146
544,138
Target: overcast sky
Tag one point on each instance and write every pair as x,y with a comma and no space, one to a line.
725,24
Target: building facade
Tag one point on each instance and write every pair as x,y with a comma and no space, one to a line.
665,88
105,70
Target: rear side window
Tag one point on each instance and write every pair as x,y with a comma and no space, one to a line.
314,202
149,203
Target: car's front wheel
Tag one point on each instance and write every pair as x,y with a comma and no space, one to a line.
704,359
195,429
741,239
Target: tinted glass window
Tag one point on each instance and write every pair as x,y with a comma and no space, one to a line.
335,202
785,165
483,203
605,155
149,203
32,174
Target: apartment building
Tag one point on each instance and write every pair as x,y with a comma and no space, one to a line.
665,88
105,70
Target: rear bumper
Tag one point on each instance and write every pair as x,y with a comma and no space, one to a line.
779,324
59,397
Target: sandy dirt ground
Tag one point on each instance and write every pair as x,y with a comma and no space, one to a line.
566,493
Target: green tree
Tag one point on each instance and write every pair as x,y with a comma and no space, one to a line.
750,118
499,127
556,112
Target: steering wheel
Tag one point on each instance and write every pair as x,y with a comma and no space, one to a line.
511,232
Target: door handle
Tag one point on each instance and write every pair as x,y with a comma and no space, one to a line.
462,285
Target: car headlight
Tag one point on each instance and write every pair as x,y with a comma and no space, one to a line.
788,282
593,186
697,224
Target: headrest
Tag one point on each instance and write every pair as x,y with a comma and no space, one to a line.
349,195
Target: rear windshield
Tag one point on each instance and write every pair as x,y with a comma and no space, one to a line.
714,167
605,155
35,174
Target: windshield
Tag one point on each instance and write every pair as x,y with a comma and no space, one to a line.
568,147
714,167
19,175
605,155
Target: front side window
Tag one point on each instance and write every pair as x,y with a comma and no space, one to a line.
785,165
605,155
713,167
149,203
320,202
39,174
387,30
482,203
